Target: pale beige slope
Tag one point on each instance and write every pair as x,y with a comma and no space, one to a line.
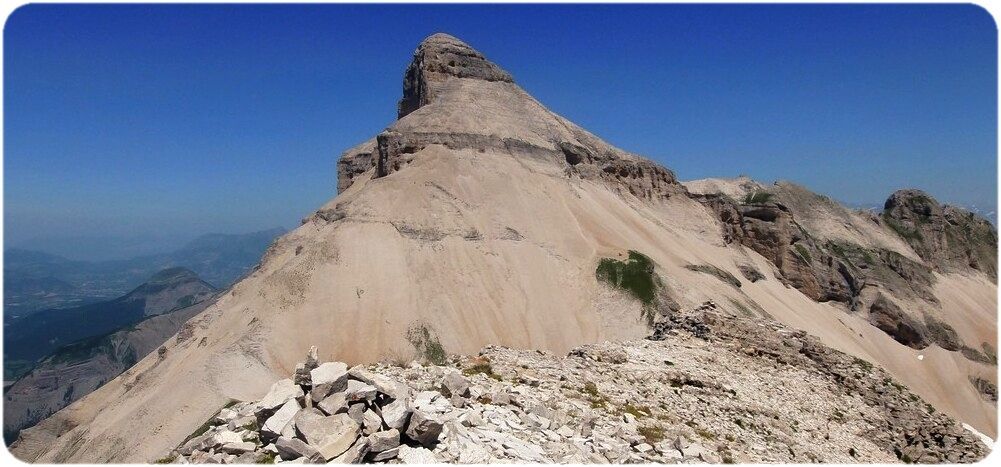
492,240
358,284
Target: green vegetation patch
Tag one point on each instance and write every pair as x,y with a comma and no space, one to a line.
482,368
427,345
901,230
636,411
653,434
758,197
636,275
803,252
715,271
596,398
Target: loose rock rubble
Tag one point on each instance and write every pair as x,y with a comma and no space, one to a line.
707,387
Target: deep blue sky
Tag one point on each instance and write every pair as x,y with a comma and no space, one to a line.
172,121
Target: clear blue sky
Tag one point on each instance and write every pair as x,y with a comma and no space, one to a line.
179,120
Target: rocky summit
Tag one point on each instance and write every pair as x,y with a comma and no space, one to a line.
565,301
784,397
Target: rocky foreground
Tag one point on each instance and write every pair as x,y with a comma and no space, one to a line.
707,386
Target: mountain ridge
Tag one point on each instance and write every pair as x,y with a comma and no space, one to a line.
478,218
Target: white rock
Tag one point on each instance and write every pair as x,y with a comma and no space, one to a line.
328,378
387,386
226,437
386,455
334,404
238,448
294,448
354,455
330,435
371,422
643,447
424,428
454,384
383,440
473,418
282,418
280,392
359,391
396,413
409,455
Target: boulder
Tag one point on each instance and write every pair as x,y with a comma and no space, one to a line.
334,404
359,391
371,422
386,455
473,418
454,384
387,386
396,413
303,417
247,422
384,440
238,448
905,329
282,418
280,392
294,448
331,435
354,455
253,457
423,428
328,378
357,412
224,416
201,441
226,437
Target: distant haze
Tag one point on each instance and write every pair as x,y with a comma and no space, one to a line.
130,129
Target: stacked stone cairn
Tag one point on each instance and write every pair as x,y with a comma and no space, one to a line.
326,413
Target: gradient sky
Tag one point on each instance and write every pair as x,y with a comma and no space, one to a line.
175,120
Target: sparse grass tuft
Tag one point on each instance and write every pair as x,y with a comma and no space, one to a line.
758,197
596,398
803,252
653,434
636,411
482,368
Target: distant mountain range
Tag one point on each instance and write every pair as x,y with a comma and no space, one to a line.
35,280
54,357
31,337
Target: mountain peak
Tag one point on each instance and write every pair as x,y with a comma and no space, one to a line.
438,58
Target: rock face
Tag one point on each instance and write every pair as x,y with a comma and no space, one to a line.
828,265
770,228
438,58
945,236
440,74
706,391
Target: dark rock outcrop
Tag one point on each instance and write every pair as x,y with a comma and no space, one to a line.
889,318
946,237
438,58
